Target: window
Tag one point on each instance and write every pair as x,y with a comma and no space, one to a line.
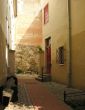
46,14
61,55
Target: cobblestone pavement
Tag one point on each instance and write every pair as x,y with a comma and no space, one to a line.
58,90
55,88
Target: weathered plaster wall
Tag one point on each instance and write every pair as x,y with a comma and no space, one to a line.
78,43
57,29
3,65
29,23
4,28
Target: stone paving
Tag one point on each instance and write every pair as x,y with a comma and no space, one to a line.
53,87
43,98
58,90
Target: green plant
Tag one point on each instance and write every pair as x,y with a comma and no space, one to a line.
18,71
40,50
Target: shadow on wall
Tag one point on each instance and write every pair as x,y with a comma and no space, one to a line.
31,35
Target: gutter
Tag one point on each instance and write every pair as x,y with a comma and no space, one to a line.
69,45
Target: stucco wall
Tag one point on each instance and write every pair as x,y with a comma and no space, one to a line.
3,66
78,43
3,70
4,30
29,23
56,28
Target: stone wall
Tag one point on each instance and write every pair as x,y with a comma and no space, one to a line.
26,59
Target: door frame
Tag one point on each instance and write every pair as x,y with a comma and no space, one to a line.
48,55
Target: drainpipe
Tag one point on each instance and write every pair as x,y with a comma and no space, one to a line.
69,45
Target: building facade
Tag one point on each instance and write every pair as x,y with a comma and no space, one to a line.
64,31
7,18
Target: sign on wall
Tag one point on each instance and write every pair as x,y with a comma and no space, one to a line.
46,14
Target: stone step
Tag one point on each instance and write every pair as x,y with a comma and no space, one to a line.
44,77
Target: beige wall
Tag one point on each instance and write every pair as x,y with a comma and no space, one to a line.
3,40
3,65
29,23
78,43
57,29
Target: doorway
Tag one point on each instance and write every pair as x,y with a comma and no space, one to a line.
48,55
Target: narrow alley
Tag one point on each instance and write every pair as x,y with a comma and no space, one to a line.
42,54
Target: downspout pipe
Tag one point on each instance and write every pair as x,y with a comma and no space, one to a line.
69,45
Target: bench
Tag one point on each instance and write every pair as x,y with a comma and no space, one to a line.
74,98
